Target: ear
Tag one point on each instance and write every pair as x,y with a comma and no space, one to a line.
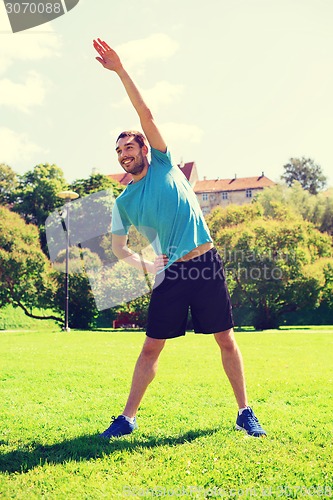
145,150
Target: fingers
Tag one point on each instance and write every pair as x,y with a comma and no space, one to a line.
108,57
162,258
165,259
104,44
99,59
99,49
161,261
101,46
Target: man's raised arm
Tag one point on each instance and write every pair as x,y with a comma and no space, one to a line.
110,60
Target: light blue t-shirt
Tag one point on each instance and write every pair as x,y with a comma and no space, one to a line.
164,208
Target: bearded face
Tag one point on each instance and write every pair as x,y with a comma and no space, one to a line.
133,164
131,156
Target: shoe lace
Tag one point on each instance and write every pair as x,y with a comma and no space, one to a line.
252,419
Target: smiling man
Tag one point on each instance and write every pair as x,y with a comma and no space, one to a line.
161,204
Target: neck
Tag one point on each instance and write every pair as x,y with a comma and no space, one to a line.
141,175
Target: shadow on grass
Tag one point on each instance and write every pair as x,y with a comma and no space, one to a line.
85,448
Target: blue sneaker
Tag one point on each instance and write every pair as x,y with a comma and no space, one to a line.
249,423
119,427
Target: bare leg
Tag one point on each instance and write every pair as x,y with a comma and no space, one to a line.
233,365
144,372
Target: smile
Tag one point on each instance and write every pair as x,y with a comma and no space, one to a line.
127,162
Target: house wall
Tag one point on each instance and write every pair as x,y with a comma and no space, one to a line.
208,201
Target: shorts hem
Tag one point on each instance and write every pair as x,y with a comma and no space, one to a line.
214,330
151,336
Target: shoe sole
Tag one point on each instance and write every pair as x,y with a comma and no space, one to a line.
117,435
239,428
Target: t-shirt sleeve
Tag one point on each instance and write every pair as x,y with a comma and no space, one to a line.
163,159
120,223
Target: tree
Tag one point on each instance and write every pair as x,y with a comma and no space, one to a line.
270,264
326,223
235,214
328,287
36,195
8,183
306,172
294,198
25,273
95,183
317,209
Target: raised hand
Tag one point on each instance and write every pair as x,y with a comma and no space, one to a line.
109,59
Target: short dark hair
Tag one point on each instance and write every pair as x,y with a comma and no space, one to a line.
138,137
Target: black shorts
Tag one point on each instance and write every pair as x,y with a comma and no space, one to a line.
199,285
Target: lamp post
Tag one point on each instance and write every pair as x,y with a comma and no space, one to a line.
68,196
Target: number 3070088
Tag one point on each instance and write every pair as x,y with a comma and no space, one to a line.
33,8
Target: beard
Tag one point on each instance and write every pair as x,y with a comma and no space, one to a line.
136,166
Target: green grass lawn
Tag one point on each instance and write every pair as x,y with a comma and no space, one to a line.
58,391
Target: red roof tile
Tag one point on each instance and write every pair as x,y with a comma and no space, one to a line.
240,184
123,178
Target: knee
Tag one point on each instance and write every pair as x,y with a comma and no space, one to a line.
152,347
226,340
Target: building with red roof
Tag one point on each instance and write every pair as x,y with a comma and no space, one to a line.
214,192
238,191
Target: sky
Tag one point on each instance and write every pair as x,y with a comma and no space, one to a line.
237,86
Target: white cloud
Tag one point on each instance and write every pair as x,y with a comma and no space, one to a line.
22,96
16,147
137,52
180,132
28,46
163,93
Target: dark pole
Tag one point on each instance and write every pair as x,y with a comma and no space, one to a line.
66,327
68,196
